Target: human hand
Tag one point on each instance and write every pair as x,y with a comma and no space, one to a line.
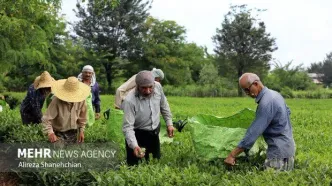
170,131
81,137
230,160
97,116
139,152
52,137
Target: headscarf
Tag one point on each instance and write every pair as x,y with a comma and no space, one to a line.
88,68
144,78
158,73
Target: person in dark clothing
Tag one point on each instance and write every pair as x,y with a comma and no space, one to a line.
31,106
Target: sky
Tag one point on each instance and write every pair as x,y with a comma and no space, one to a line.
302,28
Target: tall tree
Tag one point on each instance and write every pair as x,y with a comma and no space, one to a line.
165,47
27,34
112,33
316,67
323,67
243,43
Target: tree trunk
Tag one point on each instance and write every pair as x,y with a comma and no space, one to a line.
108,71
239,74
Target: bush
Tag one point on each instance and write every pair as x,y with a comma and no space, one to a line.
199,91
286,92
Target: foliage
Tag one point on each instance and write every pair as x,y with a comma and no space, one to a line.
325,68
28,32
208,75
223,89
243,42
180,164
165,48
295,78
111,35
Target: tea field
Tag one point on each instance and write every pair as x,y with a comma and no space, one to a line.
180,165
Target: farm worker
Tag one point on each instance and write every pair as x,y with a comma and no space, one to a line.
3,103
130,84
141,122
66,115
272,121
31,106
88,77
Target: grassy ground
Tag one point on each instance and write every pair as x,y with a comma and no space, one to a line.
311,120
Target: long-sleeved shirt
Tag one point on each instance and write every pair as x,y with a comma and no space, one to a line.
123,90
31,106
144,113
273,122
63,116
94,90
95,97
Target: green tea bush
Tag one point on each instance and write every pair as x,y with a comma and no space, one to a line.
180,164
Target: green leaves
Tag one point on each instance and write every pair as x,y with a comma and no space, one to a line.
244,43
28,30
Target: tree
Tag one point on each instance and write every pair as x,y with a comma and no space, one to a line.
28,31
327,70
165,47
112,33
295,78
208,74
316,67
324,67
243,43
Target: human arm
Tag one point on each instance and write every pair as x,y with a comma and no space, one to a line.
166,113
48,118
128,124
264,116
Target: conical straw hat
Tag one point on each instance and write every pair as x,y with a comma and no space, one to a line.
45,80
70,90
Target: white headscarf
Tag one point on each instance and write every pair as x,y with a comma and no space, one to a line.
88,68
157,73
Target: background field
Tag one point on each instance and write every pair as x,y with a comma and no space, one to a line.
179,164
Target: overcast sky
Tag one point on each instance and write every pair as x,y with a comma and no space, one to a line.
302,28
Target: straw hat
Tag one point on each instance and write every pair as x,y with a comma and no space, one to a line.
43,81
70,90
36,82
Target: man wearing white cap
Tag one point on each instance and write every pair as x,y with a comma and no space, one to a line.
130,84
67,113
88,77
141,121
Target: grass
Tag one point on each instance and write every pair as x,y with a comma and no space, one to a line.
179,165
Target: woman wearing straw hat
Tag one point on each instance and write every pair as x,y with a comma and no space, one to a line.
67,113
31,106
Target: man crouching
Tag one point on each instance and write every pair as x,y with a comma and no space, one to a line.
66,115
